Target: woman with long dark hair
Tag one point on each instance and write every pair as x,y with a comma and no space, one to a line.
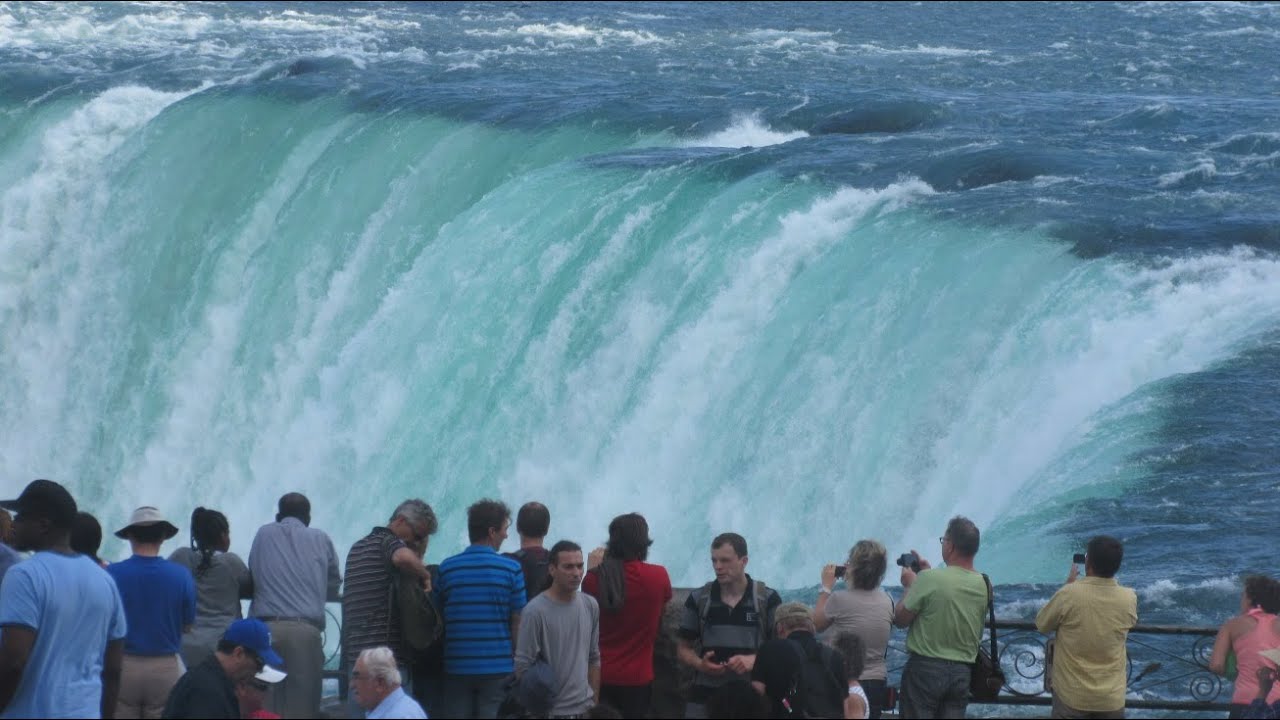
222,579
632,595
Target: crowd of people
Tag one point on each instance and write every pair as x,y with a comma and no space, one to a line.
552,632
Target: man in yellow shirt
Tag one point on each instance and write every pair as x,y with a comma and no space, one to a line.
1092,617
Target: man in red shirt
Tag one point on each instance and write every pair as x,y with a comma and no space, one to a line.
632,595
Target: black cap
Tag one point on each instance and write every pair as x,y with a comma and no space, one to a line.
46,499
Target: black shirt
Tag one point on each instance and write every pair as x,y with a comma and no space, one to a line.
534,562
204,692
779,663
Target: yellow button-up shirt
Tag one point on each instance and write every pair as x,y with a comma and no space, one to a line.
1092,617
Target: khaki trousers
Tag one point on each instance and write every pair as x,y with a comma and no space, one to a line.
145,682
1066,712
300,646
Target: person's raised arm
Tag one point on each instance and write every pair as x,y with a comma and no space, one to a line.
820,620
904,613
1050,616
410,564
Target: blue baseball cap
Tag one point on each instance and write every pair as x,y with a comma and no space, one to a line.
254,635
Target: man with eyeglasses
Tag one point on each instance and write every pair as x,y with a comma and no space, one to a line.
373,564
943,610
208,690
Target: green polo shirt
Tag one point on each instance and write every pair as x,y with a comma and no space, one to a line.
950,604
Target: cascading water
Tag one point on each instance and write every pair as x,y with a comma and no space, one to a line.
293,273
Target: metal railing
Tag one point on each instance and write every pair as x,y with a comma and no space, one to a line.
1168,667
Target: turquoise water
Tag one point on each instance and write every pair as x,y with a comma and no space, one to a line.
809,273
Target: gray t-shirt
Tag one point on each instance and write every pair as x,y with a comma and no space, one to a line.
567,635
869,615
218,592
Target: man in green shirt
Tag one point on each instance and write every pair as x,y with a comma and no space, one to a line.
1092,617
944,610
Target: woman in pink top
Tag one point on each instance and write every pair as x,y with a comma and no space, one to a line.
1255,629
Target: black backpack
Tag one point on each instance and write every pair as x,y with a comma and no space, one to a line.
421,622
814,691
539,578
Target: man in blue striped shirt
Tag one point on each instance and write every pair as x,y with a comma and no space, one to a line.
482,594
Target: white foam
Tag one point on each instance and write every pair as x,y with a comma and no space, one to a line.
921,49
1165,592
1205,169
573,33
746,130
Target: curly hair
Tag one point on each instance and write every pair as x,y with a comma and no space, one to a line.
867,562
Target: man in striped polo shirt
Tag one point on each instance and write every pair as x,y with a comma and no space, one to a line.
372,565
724,622
482,594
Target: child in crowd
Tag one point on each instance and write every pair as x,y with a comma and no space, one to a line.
850,648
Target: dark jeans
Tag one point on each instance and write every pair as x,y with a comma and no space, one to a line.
934,688
630,700
875,690
475,697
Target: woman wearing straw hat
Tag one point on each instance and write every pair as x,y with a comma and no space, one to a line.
160,605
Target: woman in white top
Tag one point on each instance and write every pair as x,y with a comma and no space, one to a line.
865,610
856,706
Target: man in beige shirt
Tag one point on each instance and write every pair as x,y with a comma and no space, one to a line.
1092,617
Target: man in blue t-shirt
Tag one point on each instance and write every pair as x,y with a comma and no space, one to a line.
62,624
160,603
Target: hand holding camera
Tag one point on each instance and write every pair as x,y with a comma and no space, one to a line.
910,560
1076,561
911,564
829,574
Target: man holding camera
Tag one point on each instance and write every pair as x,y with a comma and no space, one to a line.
944,610
1092,617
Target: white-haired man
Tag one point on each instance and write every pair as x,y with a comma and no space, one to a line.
376,684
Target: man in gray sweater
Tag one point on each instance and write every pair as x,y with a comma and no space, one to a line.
562,626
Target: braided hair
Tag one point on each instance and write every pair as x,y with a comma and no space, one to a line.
207,529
